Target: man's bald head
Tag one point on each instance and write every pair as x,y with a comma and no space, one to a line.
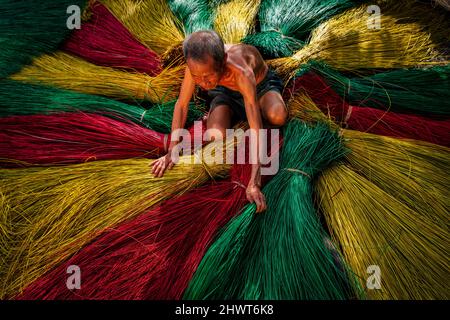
203,44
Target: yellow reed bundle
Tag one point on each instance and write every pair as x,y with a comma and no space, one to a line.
47,214
66,71
150,21
414,172
374,228
235,19
406,38
173,56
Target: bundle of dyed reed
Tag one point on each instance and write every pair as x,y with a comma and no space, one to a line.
17,98
407,90
154,255
412,171
29,29
286,24
104,41
369,119
65,71
235,19
409,36
387,207
48,214
150,21
79,137
280,253
76,137
195,15
419,91
375,229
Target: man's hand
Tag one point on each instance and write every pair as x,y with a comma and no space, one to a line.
161,164
255,195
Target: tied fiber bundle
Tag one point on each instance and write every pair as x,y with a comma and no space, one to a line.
17,98
420,91
104,41
235,19
414,172
195,15
154,255
150,21
78,137
397,192
369,119
409,36
72,73
286,24
31,28
374,228
280,253
48,214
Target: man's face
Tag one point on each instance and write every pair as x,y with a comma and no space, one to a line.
204,73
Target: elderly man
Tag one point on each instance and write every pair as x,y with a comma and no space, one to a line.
241,87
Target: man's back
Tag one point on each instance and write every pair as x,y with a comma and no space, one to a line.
239,57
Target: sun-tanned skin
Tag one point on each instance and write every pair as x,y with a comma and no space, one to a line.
244,69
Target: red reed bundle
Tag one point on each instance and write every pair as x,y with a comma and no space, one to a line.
154,255
370,119
63,138
104,41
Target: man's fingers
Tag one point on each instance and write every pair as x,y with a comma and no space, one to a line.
264,202
155,166
155,171
263,206
170,166
161,171
258,205
250,198
259,200
158,169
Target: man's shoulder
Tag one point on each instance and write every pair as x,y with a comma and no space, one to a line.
246,59
240,49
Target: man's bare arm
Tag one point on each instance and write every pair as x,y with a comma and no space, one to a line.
247,85
179,120
180,111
